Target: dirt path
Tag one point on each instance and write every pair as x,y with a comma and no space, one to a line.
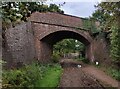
101,76
85,76
74,77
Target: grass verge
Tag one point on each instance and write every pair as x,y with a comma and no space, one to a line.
51,77
34,75
114,73
111,71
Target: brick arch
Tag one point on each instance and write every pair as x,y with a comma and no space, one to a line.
51,34
49,28
49,38
54,36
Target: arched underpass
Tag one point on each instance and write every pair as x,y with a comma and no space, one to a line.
71,76
49,39
50,28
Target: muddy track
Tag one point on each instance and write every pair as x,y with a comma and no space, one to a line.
74,76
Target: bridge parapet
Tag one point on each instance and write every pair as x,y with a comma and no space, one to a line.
63,20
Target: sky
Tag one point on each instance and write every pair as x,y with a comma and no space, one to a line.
77,7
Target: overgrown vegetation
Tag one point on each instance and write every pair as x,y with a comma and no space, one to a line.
55,57
84,60
15,12
114,73
108,14
111,71
90,25
51,77
115,44
34,75
67,46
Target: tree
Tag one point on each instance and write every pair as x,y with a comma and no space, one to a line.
68,46
55,8
108,13
15,12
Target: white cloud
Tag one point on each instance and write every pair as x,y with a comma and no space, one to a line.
80,9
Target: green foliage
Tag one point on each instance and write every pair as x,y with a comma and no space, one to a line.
24,77
108,14
89,24
30,75
55,57
15,12
114,73
67,46
51,77
102,18
55,8
2,62
84,60
115,44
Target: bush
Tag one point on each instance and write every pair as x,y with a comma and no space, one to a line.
115,44
83,60
24,77
55,57
30,76
114,73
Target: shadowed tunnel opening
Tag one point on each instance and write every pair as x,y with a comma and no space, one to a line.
55,37
52,38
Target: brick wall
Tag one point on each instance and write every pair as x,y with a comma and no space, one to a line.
55,18
19,47
101,50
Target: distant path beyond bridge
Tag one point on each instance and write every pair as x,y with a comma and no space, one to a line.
84,76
